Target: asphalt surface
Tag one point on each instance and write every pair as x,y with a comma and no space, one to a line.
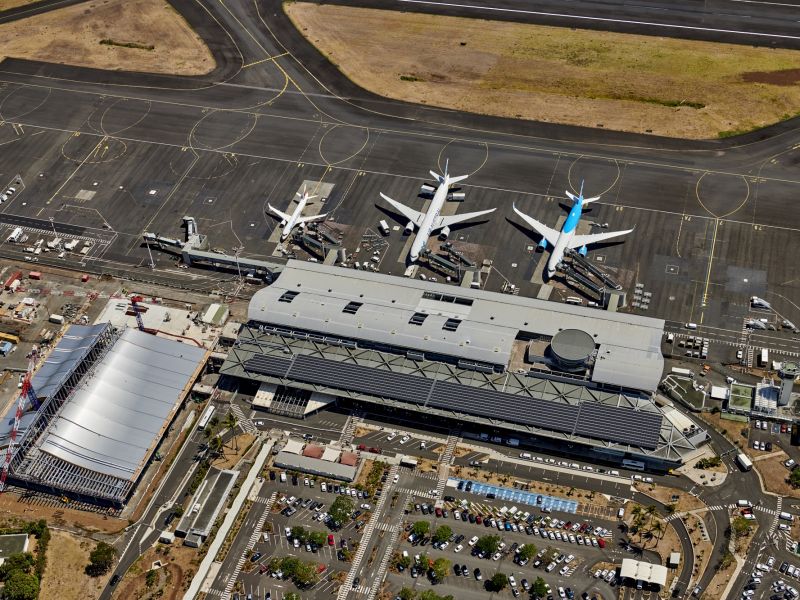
273,113
735,21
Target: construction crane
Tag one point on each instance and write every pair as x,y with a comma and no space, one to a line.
135,305
27,393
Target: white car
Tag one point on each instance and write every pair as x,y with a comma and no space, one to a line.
366,506
561,592
396,478
458,548
404,439
391,437
564,570
569,558
473,540
511,581
444,546
497,555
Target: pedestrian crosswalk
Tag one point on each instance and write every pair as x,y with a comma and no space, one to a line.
361,589
241,420
774,524
366,536
226,594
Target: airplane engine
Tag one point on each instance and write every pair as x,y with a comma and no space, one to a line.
283,223
583,251
410,227
543,244
445,232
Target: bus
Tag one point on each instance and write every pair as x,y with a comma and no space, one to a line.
206,417
633,465
745,464
764,358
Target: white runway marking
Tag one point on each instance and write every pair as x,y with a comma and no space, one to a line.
600,19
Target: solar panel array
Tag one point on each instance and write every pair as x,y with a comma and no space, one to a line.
590,419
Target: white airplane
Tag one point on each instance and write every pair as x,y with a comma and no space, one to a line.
566,239
431,221
289,222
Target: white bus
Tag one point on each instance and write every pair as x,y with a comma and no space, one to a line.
745,464
206,417
634,465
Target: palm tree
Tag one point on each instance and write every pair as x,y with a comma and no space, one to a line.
215,445
650,511
230,422
659,528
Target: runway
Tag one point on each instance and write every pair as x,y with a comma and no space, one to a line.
752,22
117,154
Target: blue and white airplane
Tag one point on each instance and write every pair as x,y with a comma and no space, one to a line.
566,239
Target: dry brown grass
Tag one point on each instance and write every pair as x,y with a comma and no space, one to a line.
72,35
774,475
64,577
9,4
233,451
663,494
626,82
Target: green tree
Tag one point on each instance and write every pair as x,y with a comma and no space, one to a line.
290,566
291,596
305,574
488,544
740,526
725,561
341,510
317,537
230,423
527,551
401,561
442,534
150,578
423,527
21,561
21,586
101,559
215,444
498,582
440,569
405,594
299,533
539,587
794,478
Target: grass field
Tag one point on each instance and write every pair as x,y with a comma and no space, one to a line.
678,88
134,35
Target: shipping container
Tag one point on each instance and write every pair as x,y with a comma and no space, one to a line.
35,275
12,278
56,319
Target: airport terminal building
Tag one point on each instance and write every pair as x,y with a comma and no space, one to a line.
570,379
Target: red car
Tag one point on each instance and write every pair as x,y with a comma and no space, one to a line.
478,519
438,512
330,539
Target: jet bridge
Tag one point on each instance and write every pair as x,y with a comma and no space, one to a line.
194,251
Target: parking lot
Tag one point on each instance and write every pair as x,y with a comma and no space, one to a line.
573,564
302,506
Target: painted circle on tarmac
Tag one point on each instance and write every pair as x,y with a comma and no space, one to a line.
462,157
21,101
341,143
221,129
122,114
599,175
722,194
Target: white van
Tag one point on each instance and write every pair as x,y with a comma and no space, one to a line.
691,325
525,455
283,477
620,513
744,503
786,516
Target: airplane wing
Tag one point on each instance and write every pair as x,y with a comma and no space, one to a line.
584,240
551,235
413,215
453,219
282,215
311,218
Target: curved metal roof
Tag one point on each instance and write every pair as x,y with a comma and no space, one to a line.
115,418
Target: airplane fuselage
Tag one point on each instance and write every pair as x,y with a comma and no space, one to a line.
428,225
567,233
289,225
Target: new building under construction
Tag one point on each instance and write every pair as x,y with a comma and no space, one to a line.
107,398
